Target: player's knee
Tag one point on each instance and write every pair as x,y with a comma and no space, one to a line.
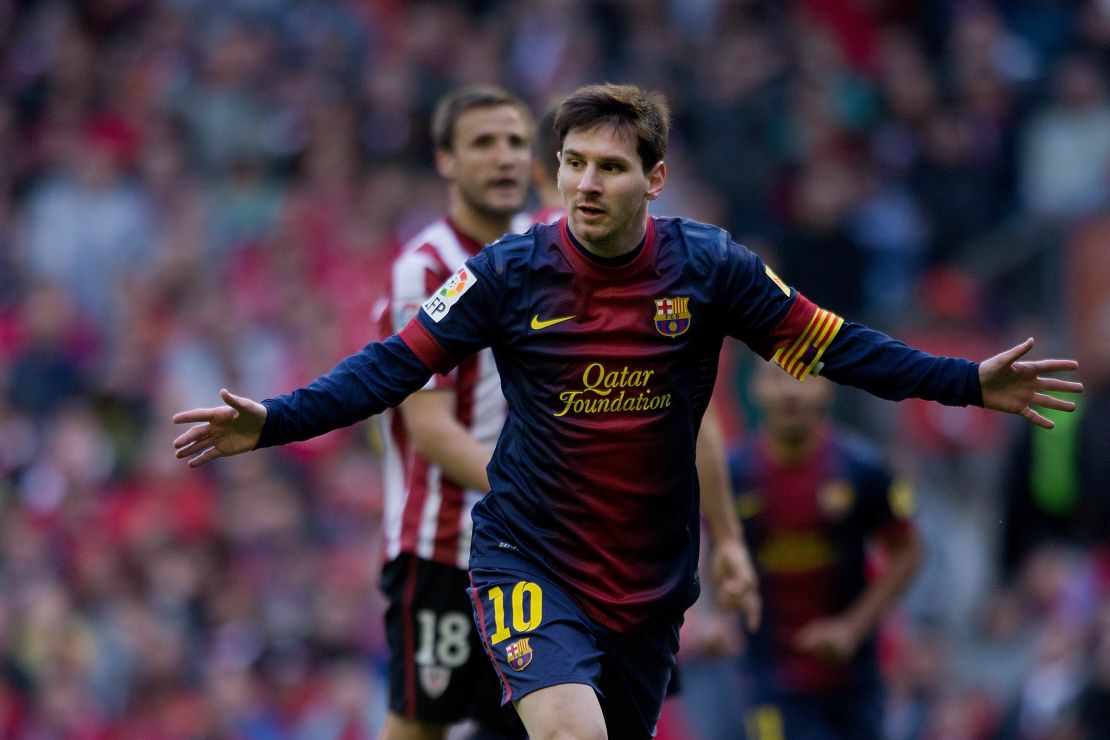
575,731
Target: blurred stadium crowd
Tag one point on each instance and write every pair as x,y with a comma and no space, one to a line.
196,194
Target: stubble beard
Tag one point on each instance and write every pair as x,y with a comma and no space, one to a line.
491,212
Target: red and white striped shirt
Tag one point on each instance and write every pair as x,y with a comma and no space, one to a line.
426,514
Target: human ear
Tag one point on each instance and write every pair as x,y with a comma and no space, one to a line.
657,177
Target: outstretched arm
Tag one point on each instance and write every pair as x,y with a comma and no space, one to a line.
785,327
380,376
1015,386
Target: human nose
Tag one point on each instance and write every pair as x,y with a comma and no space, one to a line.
589,182
508,155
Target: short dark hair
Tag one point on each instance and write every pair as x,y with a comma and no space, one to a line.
623,107
454,104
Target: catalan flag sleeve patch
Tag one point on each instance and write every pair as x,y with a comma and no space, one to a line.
813,330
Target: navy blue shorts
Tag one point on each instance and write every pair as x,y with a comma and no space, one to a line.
537,636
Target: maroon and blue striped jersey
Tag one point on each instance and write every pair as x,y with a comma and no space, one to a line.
607,370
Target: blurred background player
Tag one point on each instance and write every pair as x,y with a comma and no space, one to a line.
812,500
545,172
438,442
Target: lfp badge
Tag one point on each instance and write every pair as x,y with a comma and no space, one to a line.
440,302
672,316
519,654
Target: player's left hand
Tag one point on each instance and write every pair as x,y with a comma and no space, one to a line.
1015,386
834,639
736,581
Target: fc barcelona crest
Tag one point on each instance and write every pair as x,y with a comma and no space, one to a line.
672,316
519,654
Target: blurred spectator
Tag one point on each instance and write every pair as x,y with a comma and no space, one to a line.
90,226
818,250
47,371
1065,157
959,195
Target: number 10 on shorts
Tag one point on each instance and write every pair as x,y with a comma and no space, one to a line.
525,617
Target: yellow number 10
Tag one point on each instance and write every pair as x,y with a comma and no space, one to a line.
520,624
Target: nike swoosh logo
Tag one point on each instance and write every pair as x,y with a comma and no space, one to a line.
537,324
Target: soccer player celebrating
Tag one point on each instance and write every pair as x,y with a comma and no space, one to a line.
813,500
606,328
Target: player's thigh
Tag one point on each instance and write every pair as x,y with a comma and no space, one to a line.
437,670
533,633
563,710
637,674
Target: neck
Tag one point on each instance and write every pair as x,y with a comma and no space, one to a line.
482,227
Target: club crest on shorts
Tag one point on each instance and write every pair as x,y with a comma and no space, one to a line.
672,315
519,654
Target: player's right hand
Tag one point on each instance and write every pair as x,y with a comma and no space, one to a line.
223,431
736,581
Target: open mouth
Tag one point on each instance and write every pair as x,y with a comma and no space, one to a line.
590,211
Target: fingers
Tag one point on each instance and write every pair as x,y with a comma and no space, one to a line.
1055,384
201,431
1034,418
191,417
238,403
1014,354
207,456
193,448
1051,402
1053,366
752,608
731,595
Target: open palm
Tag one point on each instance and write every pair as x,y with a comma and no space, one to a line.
1012,385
